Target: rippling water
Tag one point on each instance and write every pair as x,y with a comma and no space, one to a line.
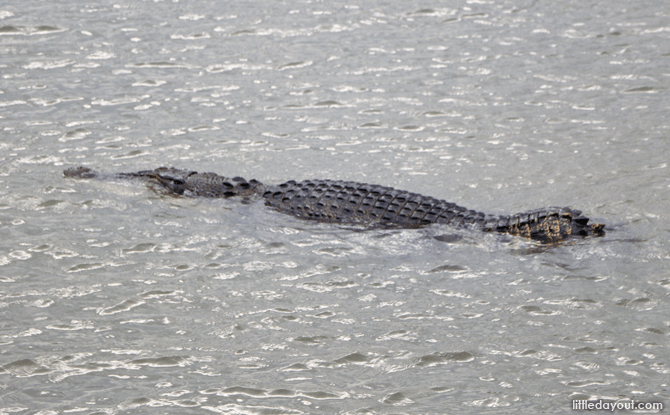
117,300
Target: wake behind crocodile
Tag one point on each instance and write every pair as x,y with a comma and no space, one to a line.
346,202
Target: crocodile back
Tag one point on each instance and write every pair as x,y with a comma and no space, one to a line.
366,204
352,202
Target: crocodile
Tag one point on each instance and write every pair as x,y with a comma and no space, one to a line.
347,202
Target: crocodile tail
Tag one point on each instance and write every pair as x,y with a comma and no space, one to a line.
212,185
177,182
80,173
545,225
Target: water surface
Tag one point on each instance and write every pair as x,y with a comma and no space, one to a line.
117,300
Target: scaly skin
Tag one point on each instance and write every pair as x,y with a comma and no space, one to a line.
359,203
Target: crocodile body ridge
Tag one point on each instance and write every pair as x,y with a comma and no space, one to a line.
346,202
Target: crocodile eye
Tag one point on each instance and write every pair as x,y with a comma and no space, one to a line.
178,187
